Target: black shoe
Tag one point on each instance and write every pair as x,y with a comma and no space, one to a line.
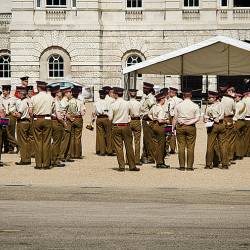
23,163
36,167
69,160
47,168
172,152
224,167
80,158
138,164
233,162
102,154
190,169
134,169
208,167
162,166
111,154
144,161
59,165
181,169
1,164
121,169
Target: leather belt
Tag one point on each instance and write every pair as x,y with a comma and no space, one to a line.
41,116
184,125
77,116
135,118
54,118
102,116
229,116
23,120
120,124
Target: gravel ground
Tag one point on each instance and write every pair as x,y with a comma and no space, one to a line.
96,171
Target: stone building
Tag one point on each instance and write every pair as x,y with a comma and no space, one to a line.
89,41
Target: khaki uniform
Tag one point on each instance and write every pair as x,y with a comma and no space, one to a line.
216,135
76,109
42,105
10,141
186,115
57,131
103,134
121,132
147,103
229,110
1,129
157,114
246,100
23,130
169,106
239,125
135,125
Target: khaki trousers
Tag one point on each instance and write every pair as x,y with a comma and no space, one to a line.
123,135
23,129
1,141
135,126
65,143
10,141
247,138
186,136
216,136
159,142
148,147
230,137
57,135
240,139
42,136
172,140
76,138
32,140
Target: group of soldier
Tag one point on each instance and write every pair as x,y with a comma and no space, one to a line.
162,118
47,123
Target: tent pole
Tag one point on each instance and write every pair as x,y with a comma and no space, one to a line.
135,79
181,72
228,60
128,86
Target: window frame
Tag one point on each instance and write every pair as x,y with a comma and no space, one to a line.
133,8
235,7
56,6
191,7
9,66
223,7
53,70
138,56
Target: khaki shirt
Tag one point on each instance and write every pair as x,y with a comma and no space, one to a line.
215,112
240,111
58,111
173,102
9,104
186,111
147,102
109,101
119,111
101,107
246,100
76,107
1,105
228,105
42,104
23,108
157,113
135,107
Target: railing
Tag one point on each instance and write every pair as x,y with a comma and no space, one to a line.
55,15
133,15
192,14
5,18
241,14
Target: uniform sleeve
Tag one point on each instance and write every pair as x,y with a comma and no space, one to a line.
197,112
111,113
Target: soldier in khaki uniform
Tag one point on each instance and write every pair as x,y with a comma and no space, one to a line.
23,127
239,125
216,131
77,110
186,115
135,123
2,115
147,102
57,125
121,131
103,139
9,132
246,100
42,106
160,119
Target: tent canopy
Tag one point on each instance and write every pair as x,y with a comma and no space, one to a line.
215,56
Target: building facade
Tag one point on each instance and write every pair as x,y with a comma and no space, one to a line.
90,41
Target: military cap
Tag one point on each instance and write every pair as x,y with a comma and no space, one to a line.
6,87
24,78
173,89
118,90
23,90
147,85
187,91
66,89
54,88
160,96
164,90
213,93
133,90
102,92
41,83
76,89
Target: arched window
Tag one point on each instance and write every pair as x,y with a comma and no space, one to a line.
134,3
56,66
5,66
134,59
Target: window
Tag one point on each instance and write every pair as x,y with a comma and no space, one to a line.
38,3
224,3
241,3
56,66
191,3
5,66
74,3
134,59
134,3
56,3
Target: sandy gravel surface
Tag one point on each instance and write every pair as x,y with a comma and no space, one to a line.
96,171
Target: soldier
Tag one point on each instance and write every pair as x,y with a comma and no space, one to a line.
246,100
78,110
239,125
9,132
229,110
65,144
147,102
173,101
121,131
186,115
23,127
216,131
57,125
41,109
160,119
101,110
135,123
2,115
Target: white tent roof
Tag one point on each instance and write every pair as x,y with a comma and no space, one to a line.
215,56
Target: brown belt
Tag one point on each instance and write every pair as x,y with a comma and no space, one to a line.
181,125
23,120
229,116
135,118
77,116
102,116
41,116
54,118
120,124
